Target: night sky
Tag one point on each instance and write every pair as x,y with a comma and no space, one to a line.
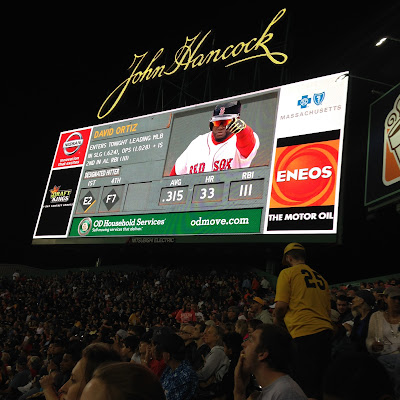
62,64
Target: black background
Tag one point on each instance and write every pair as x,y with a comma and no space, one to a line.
61,64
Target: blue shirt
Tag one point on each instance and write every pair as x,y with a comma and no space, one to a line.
181,383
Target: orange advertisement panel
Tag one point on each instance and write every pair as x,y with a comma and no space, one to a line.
305,177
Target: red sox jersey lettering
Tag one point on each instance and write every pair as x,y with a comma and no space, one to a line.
205,155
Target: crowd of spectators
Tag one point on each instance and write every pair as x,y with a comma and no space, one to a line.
187,327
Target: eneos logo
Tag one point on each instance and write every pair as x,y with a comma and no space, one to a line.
305,175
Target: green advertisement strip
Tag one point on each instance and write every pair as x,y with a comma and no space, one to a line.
190,223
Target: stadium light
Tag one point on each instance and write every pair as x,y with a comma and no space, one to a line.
384,39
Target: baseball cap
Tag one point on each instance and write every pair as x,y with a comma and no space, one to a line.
226,111
367,296
291,246
259,300
392,291
122,334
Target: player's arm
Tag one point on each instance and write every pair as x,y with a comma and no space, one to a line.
246,140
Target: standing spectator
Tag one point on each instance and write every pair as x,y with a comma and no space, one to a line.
267,354
178,380
257,307
303,305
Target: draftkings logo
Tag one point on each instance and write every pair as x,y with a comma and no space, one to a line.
59,196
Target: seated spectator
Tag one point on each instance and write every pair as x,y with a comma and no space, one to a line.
186,333
363,302
92,357
253,324
21,378
268,355
129,349
216,362
233,314
149,355
384,326
383,339
357,376
186,315
178,380
232,347
241,327
342,306
123,381
202,348
257,308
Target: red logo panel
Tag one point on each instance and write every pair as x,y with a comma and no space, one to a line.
71,149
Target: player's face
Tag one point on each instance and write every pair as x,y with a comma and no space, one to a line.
219,132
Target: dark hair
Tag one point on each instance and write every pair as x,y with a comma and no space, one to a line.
97,354
233,341
342,297
278,342
126,380
297,254
131,342
254,323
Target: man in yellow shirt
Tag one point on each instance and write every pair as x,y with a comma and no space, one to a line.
303,305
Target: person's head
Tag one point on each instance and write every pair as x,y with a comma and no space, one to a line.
198,331
293,254
223,115
357,376
363,301
253,324
129,346
172,347
233,313
186,333
232,344
392,298
123,381
257,305
67,363
241,327
342,305
268,346
92,356
213,336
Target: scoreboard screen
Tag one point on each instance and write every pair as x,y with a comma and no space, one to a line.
199,170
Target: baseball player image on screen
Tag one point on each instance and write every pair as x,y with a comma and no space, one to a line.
230,144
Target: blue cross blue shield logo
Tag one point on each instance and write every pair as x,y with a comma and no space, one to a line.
304,101
319,98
